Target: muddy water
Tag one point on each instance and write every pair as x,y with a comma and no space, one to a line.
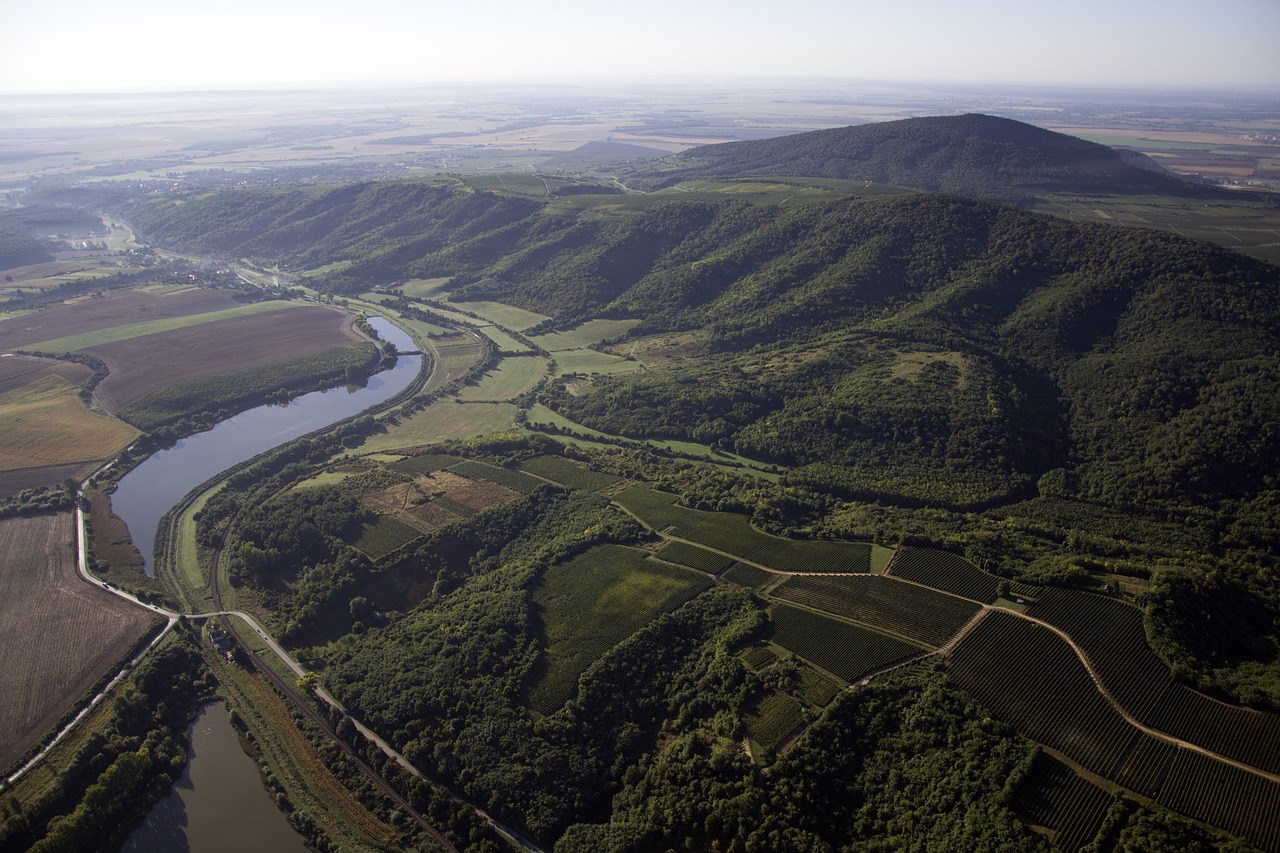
147,492
219,804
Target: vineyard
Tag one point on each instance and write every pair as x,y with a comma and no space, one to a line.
844,650
733,534
771,718
517,481
384,536
1072,807
571,474
1031,678
923,616
748,576
1112,635
426,463
591,603
758,657
695,558
947,572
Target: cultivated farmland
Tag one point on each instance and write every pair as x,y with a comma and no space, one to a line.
510,378
45,423
921,615
1054,796
441,421
844,650
594,601
733,534
116,308
947,572
19,371
590,332
455,356
145,364
571,474
59,634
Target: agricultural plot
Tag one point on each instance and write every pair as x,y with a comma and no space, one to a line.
384,536
1111,633
509,379
1242,803
590,332
922,616
423,329
59,634
569,473
733,534
19,371
947,572
1031,678
455,356
142,365
425,288
116,308
771,719
430,502
441,421
504,342
587,361
45,423
248,385
758,657
694,557
507,316
424,463
844,650
517,481
1055,797
748,576
815,688
112,334
594,601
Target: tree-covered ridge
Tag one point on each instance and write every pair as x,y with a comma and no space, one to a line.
975,155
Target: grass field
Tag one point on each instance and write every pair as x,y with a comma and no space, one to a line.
588,361
440,421
455,356
423,329
45,423
590,332
59,634
112,334
504,342
591,603
425,288
507,316
510,378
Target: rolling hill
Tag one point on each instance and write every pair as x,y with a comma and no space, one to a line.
975,155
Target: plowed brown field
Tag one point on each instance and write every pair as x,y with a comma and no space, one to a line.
17,371
114,309
141,365
58,634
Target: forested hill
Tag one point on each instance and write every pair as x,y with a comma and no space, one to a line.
919,349
975,155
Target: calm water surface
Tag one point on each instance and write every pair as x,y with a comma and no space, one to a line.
218,804
147,492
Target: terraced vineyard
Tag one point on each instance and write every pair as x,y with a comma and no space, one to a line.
947,572
733,534
929,618
1053,796
1031,678
846,651
1112,635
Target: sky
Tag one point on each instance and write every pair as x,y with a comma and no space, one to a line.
160,45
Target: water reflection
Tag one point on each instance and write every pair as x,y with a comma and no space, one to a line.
218,804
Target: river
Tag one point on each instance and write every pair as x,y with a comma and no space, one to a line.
218,803
147,492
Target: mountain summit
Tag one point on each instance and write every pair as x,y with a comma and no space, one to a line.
975,155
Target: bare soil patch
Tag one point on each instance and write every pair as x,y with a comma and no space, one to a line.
437,500
12,482
142,365
113,309
17,371
58,634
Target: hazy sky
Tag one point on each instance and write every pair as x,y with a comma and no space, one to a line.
145,45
